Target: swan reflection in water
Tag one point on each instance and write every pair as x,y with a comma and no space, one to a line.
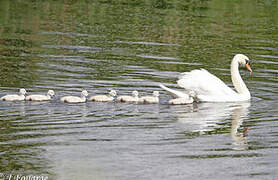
206,117
239,113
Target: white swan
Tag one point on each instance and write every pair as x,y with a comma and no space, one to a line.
210,88
104,98
75,99
184,100
38,97
133,98
150,99
15,97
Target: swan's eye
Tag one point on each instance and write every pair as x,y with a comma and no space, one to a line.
247,61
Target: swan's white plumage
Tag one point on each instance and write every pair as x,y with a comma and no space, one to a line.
133,98
15,97
211,89
39,97
75,99
150,99
104,98
204,83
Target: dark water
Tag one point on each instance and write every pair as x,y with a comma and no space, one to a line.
133,45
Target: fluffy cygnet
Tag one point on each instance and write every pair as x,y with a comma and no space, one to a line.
150,99
184,100
133,98
75,99
181,101
104,98
39,97
15,97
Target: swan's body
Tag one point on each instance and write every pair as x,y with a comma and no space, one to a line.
75,99
150,99
104,98
15,97
133,98
210,88
184,100
38,97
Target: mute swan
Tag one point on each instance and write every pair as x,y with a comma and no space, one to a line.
75,99
150,99
210,88
15,97
38,97
104,98
133,98
184,100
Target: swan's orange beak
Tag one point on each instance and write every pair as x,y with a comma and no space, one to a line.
248,67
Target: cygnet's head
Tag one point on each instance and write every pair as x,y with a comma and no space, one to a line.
243,61
51,93
113,93
84,93
192,94
135,93
156,93
22,91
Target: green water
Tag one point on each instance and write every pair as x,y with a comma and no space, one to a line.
130,45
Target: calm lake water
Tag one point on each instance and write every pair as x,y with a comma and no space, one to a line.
131,45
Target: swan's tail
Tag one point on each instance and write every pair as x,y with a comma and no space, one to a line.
174,93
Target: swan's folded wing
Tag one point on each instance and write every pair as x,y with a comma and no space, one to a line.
204,83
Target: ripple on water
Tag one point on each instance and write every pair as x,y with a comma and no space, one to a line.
149,56
69,34
145,43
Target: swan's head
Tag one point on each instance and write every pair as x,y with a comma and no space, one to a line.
135,93
243,61
84,93
51,93
22,91
113,93
156,93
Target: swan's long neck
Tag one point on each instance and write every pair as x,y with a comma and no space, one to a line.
83,97
237,80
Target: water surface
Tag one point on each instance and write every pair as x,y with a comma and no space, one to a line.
134,45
